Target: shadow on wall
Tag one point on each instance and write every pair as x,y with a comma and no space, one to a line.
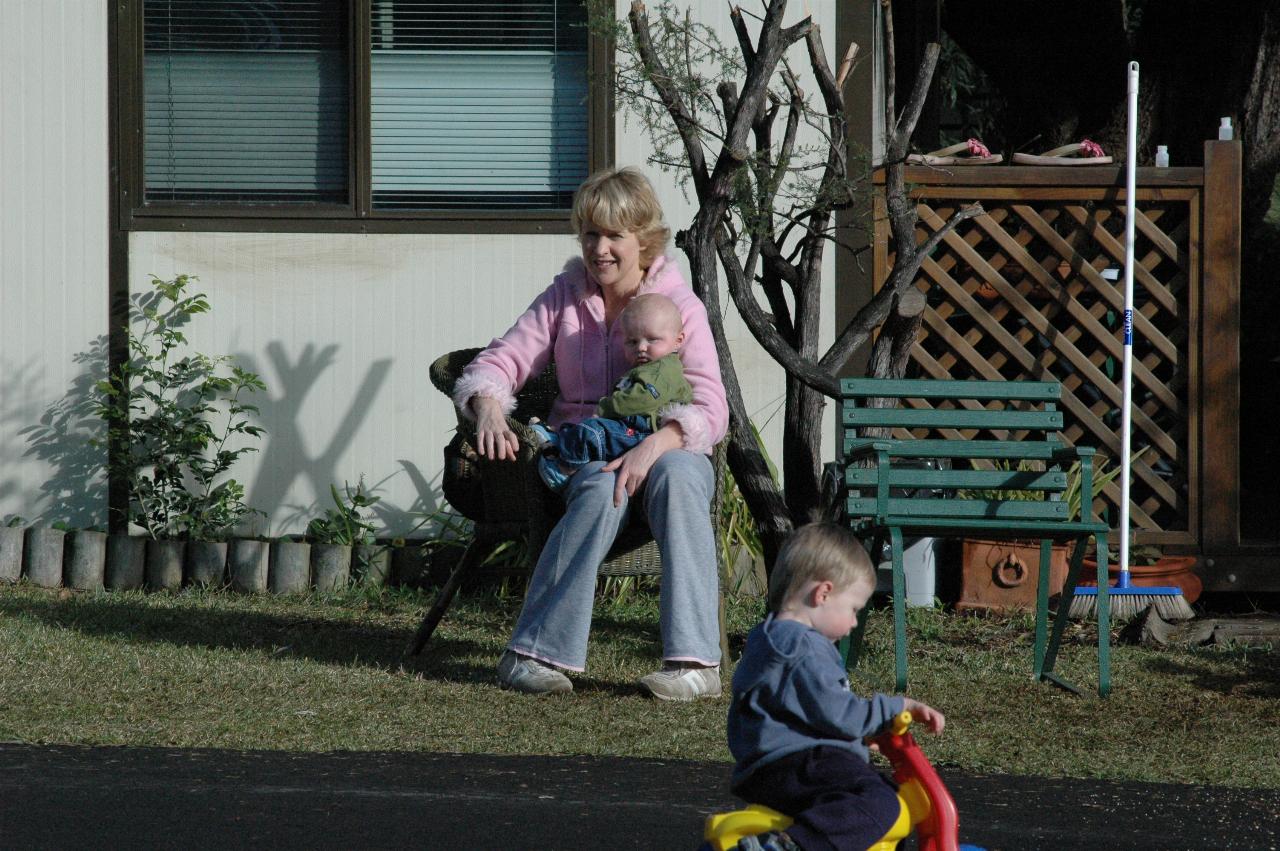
284,455
76,489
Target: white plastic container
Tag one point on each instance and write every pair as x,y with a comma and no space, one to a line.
1162,156
919,567
1225,131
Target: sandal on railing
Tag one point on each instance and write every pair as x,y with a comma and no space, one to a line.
1084,152
970,152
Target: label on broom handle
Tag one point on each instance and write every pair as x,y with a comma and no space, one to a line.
1128,326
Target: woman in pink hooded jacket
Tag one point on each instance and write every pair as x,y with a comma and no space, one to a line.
668,476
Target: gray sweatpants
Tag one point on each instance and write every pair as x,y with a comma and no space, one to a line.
676,497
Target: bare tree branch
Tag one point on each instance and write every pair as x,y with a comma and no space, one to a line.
661,79
859,329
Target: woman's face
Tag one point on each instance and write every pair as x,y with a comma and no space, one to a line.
612,258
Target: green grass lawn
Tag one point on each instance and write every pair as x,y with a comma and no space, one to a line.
201,669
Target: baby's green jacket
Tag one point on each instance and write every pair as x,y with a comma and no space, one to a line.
646,389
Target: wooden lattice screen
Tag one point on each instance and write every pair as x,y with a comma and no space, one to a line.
1022,292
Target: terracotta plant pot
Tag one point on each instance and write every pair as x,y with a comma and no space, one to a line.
1168,571
1002,575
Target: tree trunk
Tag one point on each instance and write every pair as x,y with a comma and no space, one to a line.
802,448
892,350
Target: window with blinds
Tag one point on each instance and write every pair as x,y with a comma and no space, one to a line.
245,101
477,105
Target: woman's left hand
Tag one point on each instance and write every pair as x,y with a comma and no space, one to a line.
632,467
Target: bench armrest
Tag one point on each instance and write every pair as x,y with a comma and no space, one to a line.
1074,453
868,449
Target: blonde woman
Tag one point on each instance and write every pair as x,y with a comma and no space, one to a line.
668,476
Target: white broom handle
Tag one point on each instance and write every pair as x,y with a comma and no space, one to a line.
1130,210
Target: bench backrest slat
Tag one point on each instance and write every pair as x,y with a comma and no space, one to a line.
928,388
1039,450
977,509
1032,480
952,418
978,491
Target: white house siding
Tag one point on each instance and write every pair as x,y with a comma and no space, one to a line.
341,327
53,253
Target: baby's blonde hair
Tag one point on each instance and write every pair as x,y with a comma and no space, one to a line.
653,305
622,199
818,552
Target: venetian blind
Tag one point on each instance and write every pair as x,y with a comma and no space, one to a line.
245,101
477,105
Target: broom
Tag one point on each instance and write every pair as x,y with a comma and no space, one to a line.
1127,599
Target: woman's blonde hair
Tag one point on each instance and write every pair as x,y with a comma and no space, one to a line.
622,199
818,552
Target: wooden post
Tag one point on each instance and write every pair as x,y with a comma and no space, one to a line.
1220,348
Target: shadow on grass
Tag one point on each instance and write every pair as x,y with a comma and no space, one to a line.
329,642
1260,677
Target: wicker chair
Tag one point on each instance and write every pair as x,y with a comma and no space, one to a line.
508,501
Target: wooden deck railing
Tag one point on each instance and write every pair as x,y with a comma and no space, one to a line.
1022,292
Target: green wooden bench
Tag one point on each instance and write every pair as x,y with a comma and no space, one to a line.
985,429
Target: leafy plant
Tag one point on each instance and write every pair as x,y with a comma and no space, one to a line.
1101,478
1006,494
13,521
173,418
344,523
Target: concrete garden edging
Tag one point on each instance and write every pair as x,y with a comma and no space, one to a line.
90,560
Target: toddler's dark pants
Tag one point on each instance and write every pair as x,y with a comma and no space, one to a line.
838,800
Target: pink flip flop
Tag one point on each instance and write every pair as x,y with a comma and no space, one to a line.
970,152
1084,152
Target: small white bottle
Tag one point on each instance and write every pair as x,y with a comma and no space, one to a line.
1224,130
1162,156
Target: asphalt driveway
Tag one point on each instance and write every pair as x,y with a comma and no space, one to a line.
89,798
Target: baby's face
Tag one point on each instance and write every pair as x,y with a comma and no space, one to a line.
649,337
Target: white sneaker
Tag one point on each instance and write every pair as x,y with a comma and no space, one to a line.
680,683
530,676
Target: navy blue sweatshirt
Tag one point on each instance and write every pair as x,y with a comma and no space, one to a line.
790,693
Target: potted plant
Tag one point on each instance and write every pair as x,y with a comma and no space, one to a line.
336,532
173,418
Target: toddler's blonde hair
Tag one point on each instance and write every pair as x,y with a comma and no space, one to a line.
818,552
622,199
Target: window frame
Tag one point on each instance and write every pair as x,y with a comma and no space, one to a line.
356,214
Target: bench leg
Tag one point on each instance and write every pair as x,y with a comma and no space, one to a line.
1042,606
1047,660
1104,620
475,553
850,646
1049,657
899,612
